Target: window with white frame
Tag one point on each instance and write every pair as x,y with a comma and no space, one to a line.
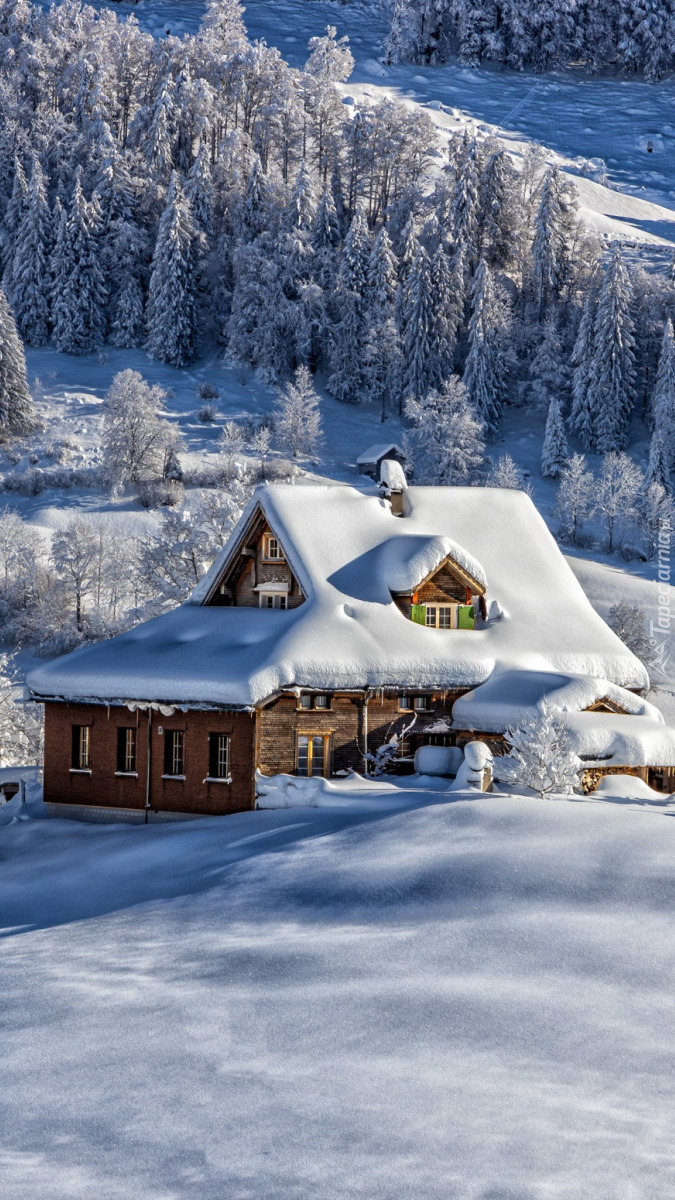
273,600
174,753
81,748
272,551
219,756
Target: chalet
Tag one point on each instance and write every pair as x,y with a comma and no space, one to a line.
332,619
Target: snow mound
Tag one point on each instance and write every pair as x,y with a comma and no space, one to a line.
628,787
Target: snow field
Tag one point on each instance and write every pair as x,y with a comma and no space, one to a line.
467,1000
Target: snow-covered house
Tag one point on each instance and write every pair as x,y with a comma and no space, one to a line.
370,461
327,624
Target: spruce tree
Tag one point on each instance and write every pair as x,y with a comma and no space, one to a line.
348,379
171,313
486,365
658,467
663,400
383,353
446,316
16,404
29,273
12,219
612,383
79,315
581,414
417,318
555,452
552,244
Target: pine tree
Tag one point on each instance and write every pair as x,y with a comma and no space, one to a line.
199,191
547,372
348,380
79,318
499,228
171,311
298,420
446,316
16,405
663,400
612,383
29,272
127,304
658,467
383,352
555,221
486,365
581,414
555,452
465,207
325,239
12,219
417,318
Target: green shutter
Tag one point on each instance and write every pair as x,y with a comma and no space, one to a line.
466,616
418,613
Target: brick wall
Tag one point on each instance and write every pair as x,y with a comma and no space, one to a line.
104,787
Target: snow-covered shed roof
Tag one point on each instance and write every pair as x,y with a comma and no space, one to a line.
605,740
347,550
392,476
508,697
377,451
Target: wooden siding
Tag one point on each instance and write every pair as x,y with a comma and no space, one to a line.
250,569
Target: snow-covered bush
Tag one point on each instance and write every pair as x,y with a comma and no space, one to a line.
208,391
21,724
160,493
207,414
540,756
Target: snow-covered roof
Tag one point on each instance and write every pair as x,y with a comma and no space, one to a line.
603,739
377,451
347,550
507,697
411,559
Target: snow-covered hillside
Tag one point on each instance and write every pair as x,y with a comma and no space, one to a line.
468,999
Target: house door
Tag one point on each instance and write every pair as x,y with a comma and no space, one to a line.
312,753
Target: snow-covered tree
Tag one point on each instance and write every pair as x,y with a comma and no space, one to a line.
14,213
663,399
28,276
80,306
582,413
298,419
553,240
540,755
617,493
657,516
445,443
630,623
330,58
612,377
21,725
417,319
486,367
16,404
75,554
658,467
555,451
171,313
506,474
135,437
575,495
347,380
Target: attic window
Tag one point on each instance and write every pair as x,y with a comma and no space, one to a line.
272,551
307,700
443,616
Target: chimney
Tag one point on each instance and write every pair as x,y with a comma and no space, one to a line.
393,484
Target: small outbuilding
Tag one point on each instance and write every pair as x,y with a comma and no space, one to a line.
370,461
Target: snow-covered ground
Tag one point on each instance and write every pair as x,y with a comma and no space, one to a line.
467,999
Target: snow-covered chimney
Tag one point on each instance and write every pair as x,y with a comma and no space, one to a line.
393,484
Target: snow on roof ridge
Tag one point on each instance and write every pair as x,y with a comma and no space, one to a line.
404,572
372,453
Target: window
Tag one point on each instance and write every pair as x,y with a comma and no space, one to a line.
404,703
308,701
174,752
271,549
272,600
313,753
219,756
81,748
421,703
441,616
126,751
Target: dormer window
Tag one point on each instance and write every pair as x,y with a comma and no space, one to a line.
272,551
